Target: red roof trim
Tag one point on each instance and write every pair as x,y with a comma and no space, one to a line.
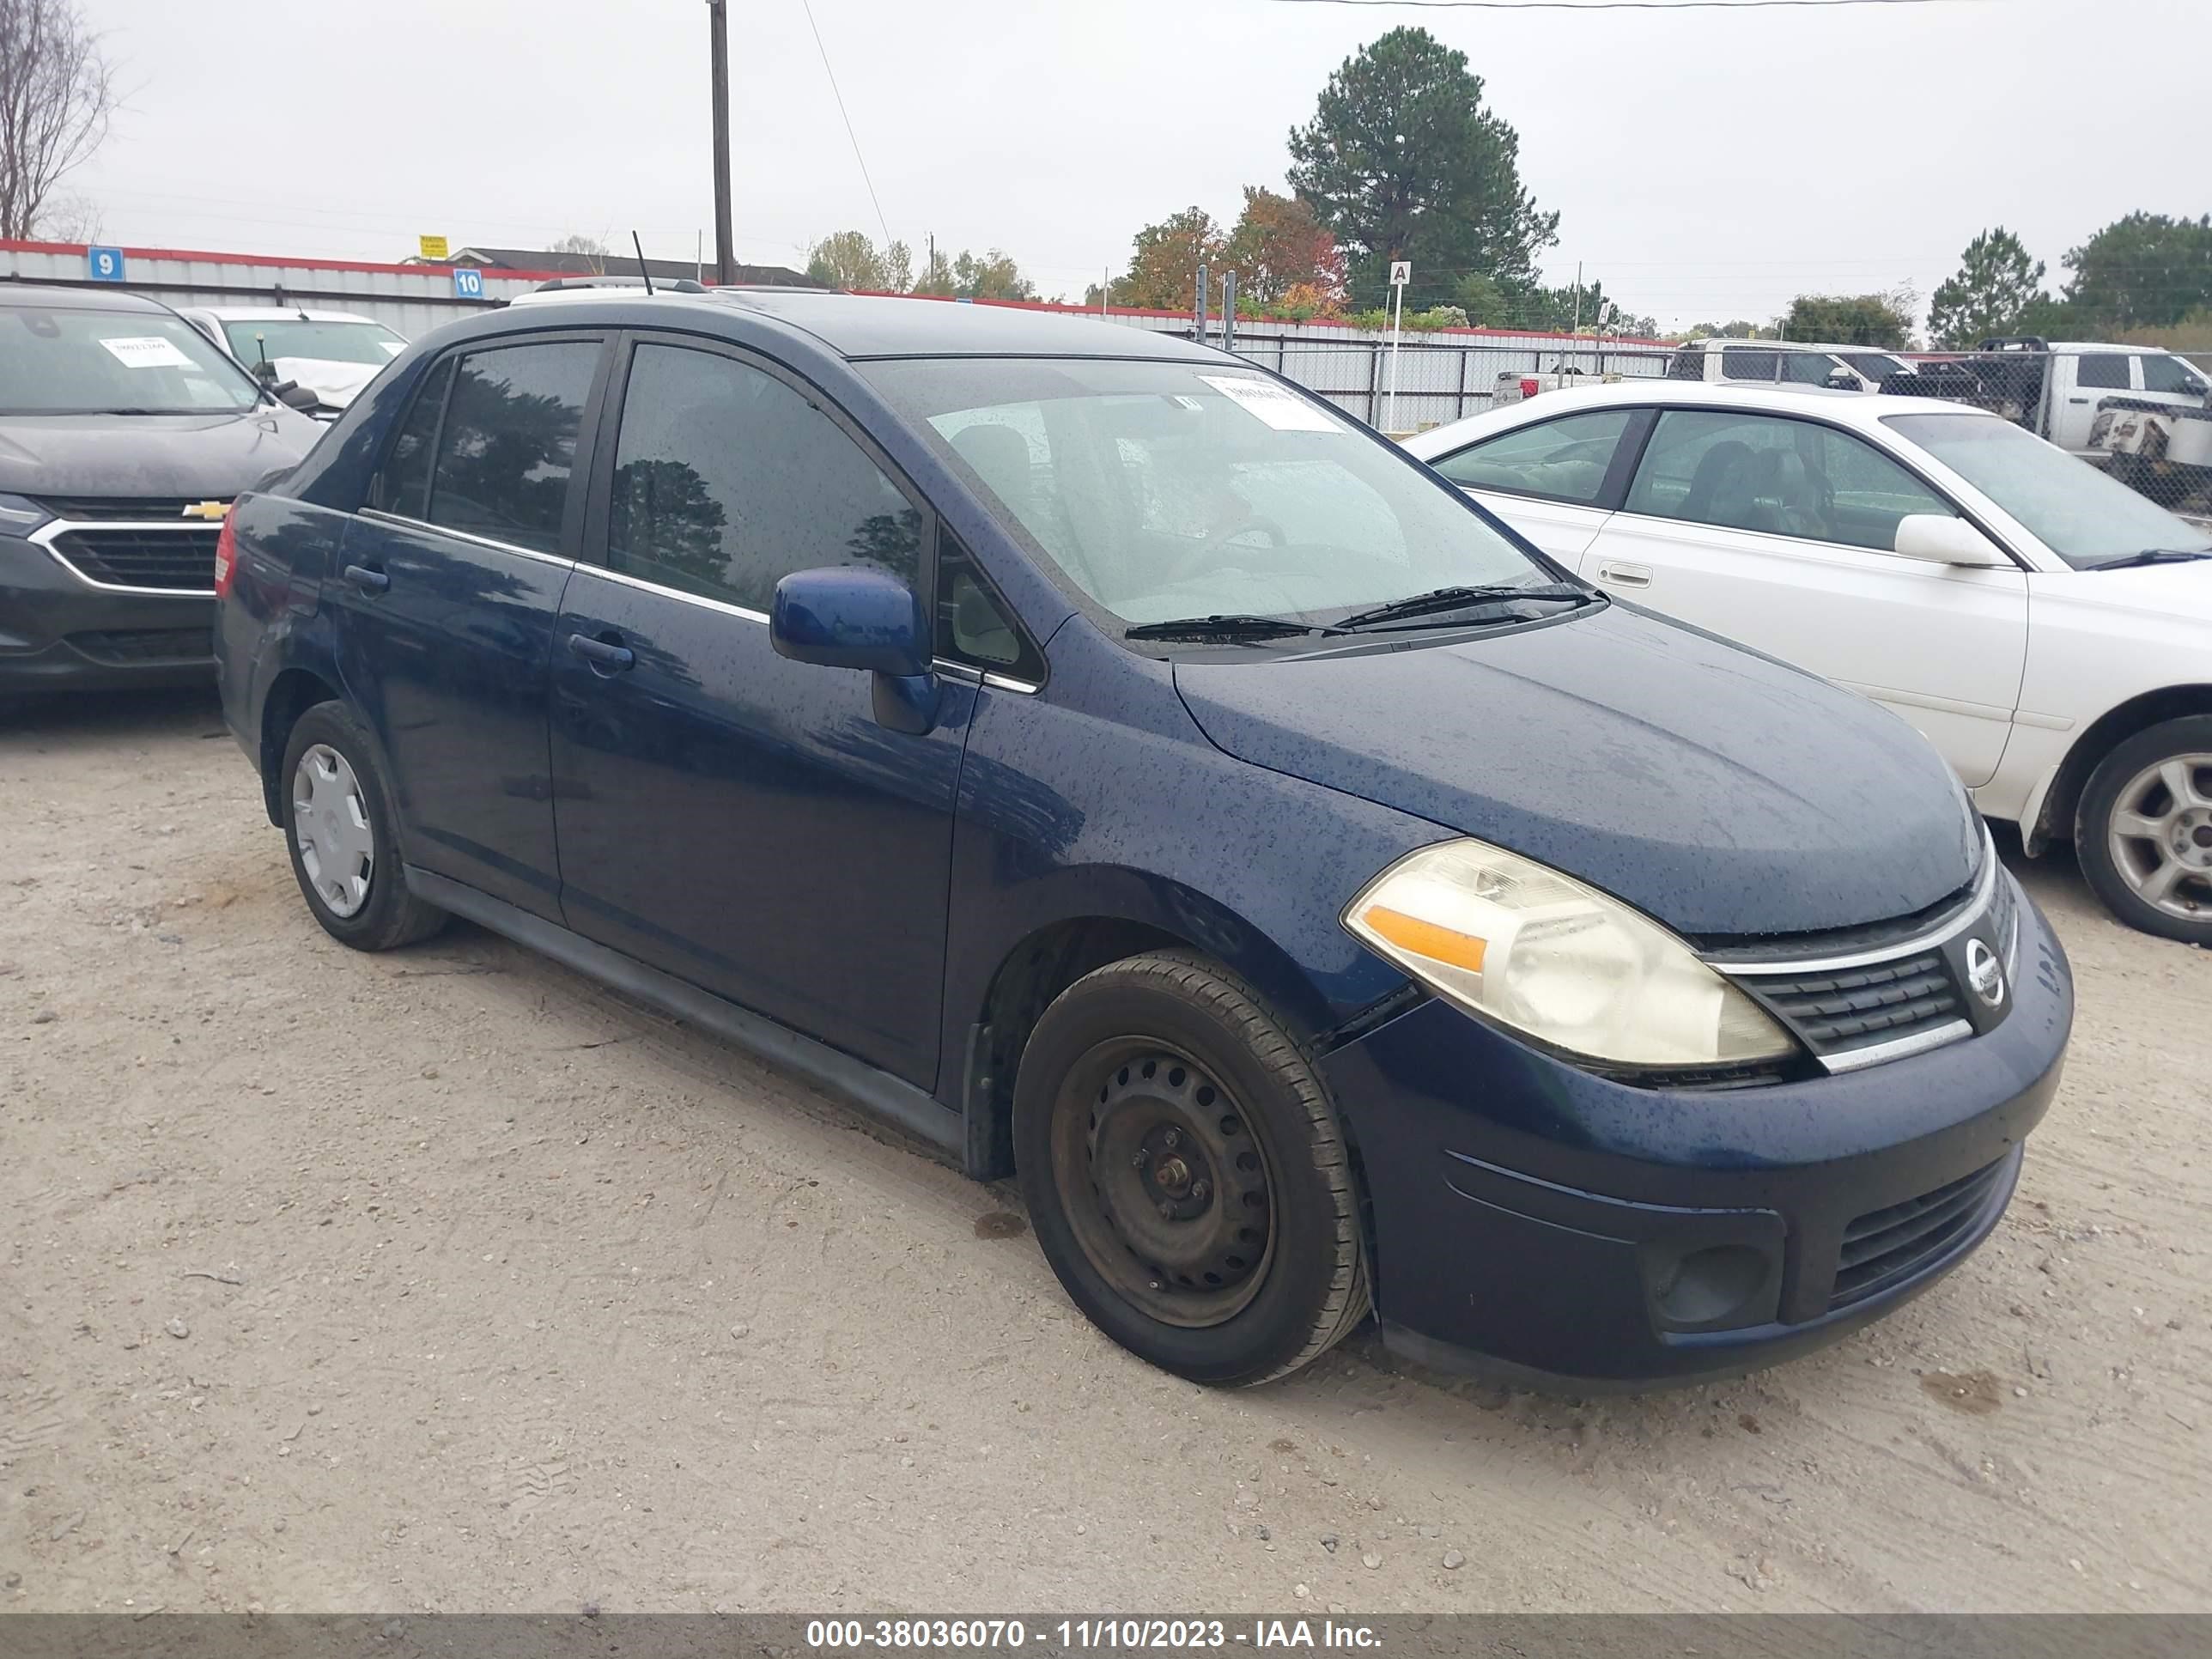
202,257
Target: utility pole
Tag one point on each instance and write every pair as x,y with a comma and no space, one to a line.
1228,309
1198,332
726,259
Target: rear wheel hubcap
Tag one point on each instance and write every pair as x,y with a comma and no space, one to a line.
331,827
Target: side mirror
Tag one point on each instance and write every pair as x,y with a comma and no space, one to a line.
1842,380
846,616
1939,539
297,396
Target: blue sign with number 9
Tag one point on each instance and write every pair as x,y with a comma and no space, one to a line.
107,263
468,284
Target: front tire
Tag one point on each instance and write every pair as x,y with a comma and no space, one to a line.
2143,833
1185,1174
341,830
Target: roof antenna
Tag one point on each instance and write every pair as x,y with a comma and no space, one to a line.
641,270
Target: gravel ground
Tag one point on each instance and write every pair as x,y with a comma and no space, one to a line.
444,1280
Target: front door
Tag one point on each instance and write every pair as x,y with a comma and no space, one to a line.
1775,532
449,586
734,818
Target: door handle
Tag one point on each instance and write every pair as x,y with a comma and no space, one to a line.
1624,576
2077,400
604,656
369,581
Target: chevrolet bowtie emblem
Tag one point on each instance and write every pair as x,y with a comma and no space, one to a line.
205,509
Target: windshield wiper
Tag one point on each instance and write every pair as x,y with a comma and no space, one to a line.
1460,598
2154,556
1223,627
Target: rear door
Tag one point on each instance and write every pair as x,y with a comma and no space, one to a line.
1778,532
1549,479
728,816
450,584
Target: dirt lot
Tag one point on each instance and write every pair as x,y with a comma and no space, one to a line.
444,1281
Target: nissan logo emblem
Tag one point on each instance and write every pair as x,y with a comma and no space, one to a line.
1985,972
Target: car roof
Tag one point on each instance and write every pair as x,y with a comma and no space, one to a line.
27,294
277,314
1842,407
859,326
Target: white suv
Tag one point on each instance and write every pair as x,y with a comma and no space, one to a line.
1785,362
2048,629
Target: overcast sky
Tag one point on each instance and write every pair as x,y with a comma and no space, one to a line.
1707,165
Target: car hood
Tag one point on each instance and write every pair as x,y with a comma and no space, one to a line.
211,456
336,383
2166,589
1719,791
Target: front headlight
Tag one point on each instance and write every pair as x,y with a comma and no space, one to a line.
19,517
1515,941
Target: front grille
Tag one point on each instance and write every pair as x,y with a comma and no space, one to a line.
136,644
1884,1248
151,508
1845,1009
183,559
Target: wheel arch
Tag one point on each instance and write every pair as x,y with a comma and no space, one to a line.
290,695
995,1020
2054,818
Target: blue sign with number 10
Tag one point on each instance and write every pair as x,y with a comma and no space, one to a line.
107,263
468,284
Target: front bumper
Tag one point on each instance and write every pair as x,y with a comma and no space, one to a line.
59,632
1531,1220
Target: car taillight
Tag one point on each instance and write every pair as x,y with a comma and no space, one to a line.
1527,385
225,557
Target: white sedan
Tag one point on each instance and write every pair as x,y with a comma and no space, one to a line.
2047,629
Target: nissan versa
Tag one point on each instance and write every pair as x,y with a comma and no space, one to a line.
1114,766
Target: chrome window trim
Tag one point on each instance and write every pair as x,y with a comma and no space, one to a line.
45,534
970,674
1967,915
1854,1059
700,599
492,541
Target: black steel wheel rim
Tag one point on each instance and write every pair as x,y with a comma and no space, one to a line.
1167,1189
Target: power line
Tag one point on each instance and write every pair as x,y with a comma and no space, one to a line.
1609,5
883,223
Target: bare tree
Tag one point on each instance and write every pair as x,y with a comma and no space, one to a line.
575,242
57,94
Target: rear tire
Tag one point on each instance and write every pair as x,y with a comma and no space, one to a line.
1185,1174
2143,832
343,834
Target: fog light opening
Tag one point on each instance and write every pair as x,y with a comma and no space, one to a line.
1704,1287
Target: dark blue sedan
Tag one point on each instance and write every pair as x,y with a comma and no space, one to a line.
1116,768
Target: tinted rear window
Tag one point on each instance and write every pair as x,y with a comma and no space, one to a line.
509,441
403,485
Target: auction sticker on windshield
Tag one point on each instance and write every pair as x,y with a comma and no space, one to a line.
147,351
1279,407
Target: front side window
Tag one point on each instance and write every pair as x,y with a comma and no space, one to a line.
2079,512
1877,366
1687,364
2171,374
1747,363
1161,491
727,480
57,360
2103,371
323,342
1561,460
1784,477
509,441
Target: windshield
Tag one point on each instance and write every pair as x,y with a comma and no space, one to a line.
1167,490
328,341
2081,514
59,361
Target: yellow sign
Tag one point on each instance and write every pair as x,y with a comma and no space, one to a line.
434,247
